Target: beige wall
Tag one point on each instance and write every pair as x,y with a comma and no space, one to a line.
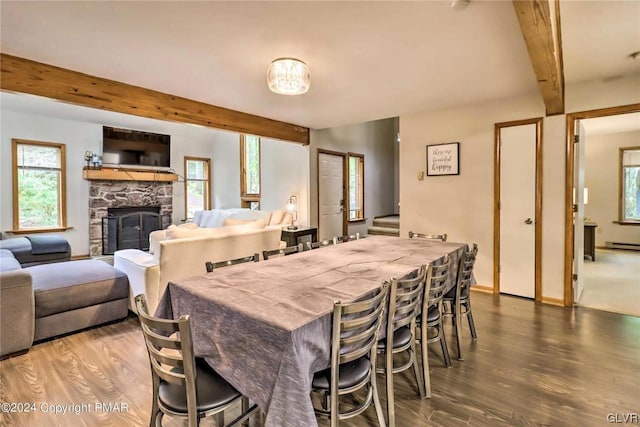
602,172
463,205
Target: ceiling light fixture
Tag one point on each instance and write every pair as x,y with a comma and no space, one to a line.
459,4
288,76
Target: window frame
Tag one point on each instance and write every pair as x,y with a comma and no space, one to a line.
246,198
622,219
361,187
207,183
62,186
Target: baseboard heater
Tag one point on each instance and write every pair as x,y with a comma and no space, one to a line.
620,245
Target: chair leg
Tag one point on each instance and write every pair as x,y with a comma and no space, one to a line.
416,369
457,327
219,419
376,398
425,362
155,413
245,408
472,325
443,344
391,413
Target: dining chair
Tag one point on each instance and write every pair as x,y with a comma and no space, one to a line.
354,334
457,302
282,252
347,238
213,265
405,299
184,385
442,237
320,244
431,316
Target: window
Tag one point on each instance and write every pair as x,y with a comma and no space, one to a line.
630,184
39,190
356,187
250,171
197,185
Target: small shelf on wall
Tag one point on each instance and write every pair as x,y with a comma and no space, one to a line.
107,174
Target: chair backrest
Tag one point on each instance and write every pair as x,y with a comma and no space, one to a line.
355,329
442,237
321,244
435,285
213,265
176,366
282,252
405,298
465,271
342,239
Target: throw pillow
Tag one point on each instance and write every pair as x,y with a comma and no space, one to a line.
276,217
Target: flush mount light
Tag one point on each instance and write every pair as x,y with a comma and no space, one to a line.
288,76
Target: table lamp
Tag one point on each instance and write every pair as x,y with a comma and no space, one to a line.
292,205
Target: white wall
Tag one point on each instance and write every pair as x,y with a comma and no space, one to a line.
376,141
602,173
463,205
281,161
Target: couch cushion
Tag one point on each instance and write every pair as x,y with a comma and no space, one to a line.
233,221
71,285
276,217
21,249
9,263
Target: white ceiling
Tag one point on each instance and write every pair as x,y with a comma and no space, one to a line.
612,124
368,60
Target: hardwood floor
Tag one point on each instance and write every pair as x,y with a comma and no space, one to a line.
532,365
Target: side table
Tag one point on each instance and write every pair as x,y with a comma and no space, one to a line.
291,236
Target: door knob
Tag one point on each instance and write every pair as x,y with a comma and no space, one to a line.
528,221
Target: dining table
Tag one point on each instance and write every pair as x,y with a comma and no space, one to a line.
266,327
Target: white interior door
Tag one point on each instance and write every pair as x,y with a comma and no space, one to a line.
578,216
517,211
330,195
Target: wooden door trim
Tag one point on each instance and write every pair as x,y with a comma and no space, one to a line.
345,172
568,187
538,204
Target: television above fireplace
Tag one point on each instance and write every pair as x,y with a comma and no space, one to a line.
125,148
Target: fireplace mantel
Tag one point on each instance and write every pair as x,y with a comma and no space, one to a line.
107,174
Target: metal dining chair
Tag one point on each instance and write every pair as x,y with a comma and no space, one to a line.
320,244
431,316
457,302
405,300
282,252
441,237
184,385
354,336
213,265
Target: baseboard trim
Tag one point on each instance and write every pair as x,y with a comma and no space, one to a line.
76,257
553,301
482,288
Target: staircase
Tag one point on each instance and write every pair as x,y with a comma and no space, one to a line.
386,226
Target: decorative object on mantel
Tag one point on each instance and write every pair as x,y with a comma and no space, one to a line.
107,174
288,76
94,160
292,206
443,159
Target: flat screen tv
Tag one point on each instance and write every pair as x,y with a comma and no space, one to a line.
135,149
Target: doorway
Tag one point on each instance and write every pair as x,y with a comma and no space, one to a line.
518,208
331,194
598,274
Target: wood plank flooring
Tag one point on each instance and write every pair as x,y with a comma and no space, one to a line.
532,365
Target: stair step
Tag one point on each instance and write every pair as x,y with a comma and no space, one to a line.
387,222
384,231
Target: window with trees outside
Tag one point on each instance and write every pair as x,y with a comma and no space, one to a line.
197,185
356,187
630,183
39,182
250,171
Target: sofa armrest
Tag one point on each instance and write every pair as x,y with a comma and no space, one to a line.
17,311
143,272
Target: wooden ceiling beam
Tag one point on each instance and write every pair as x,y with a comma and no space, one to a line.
27,76
540,25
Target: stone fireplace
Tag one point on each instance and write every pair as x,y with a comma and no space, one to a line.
103,195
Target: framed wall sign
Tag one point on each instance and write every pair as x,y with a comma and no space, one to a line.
443,159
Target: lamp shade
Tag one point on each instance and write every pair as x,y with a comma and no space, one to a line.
288,76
